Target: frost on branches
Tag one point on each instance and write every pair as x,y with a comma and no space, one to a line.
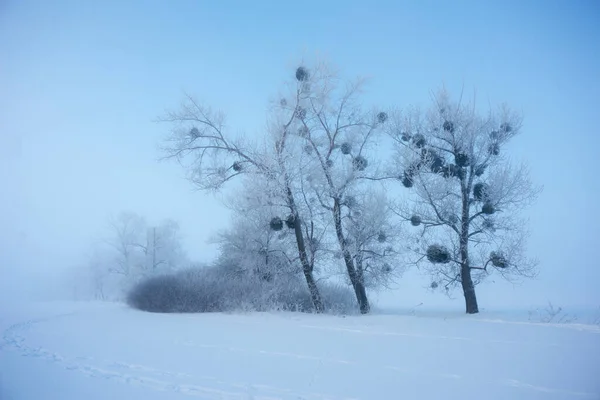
464,194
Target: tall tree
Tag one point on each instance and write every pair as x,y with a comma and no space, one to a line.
213,157
336,135
466,195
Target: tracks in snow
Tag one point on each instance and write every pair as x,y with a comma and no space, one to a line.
213,388
204,387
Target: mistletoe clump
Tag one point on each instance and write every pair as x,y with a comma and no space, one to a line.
488,208
479,170
461,159
436,162
407,180
359,163
494,149
346,148
415,220
419,141
302,74
290,221
480,191
276,224
448,126
498,260
506,127
438,254
237,166
301,113
382,117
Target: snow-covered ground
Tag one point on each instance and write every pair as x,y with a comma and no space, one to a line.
69,351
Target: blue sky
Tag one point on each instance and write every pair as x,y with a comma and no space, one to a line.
82,83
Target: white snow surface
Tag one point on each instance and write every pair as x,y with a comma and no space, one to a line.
72,351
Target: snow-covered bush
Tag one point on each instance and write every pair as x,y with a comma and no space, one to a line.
202,290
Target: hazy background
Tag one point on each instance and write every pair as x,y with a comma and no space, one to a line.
81,83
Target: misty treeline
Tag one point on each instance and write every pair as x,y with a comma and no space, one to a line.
129,251
332,188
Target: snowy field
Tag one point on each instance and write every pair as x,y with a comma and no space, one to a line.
68,351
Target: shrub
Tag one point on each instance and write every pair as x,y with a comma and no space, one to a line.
217,290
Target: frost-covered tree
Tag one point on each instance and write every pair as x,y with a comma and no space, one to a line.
212,157
465,194
249,246
373,238
335,136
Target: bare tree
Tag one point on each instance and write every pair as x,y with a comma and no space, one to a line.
136,251
125,239
466,195
162,249
335,134
212,158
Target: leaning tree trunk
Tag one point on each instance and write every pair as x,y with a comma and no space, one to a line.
355,278
307,268
465,267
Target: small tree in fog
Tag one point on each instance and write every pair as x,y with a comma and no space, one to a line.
465,194
132,250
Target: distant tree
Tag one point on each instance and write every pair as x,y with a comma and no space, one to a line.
212,158
163,251
125,239
132,251
465,194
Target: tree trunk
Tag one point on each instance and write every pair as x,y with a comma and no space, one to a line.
356,280
465,267
469,291
307,268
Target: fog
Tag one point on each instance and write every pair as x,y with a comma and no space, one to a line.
82,84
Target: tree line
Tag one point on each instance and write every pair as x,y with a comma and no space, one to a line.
315,187
333,187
